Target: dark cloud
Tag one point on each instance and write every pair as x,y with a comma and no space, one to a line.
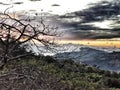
18,3
4,3
55,5
97,12
94,35
35,0
13,3
80,21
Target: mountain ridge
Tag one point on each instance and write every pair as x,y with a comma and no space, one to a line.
91,56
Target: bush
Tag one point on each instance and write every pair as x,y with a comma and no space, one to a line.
50,59
113,82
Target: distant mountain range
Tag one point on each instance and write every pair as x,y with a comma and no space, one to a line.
104,58
92,56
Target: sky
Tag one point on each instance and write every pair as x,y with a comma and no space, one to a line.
77,19
52,6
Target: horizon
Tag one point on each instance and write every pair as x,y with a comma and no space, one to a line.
96,43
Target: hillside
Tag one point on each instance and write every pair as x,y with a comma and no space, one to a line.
106,60
46,73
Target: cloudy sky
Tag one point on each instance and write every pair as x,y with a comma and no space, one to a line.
78,19
51,6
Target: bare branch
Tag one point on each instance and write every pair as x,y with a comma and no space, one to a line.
15,32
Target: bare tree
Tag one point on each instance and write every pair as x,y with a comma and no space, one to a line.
15,32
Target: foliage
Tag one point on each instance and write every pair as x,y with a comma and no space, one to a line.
62,75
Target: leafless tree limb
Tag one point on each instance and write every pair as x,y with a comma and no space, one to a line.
15,32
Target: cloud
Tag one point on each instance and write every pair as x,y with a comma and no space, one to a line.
18,3
4,3
80,21
35,0
55,5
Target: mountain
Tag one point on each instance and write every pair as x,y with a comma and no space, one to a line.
104,58
92,56
52,50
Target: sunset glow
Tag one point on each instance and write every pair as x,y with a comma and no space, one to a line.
99,43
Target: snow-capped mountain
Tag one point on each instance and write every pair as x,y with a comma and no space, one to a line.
55,49
66,48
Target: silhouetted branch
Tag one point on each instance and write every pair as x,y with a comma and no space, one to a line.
15,32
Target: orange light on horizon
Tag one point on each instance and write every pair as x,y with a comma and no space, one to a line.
98,43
